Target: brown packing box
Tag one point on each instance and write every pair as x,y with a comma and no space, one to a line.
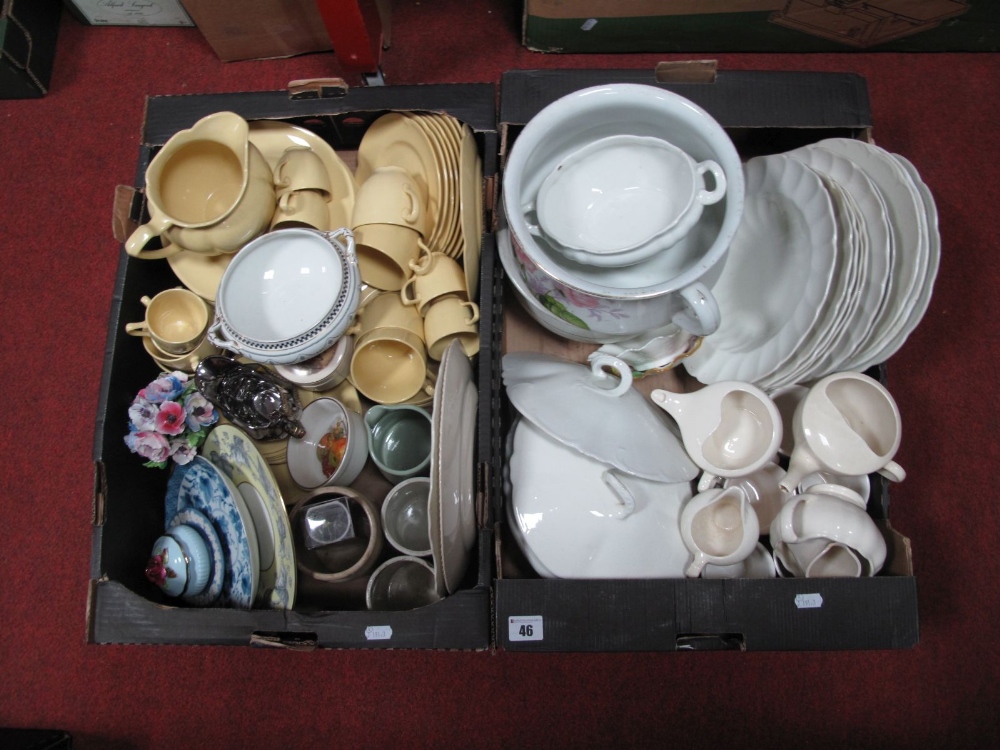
255,29
129,499
763,113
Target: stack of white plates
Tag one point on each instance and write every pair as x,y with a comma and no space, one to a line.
831,269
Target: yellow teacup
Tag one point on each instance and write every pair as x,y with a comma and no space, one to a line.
300,208
436,276
385,252
389,365
176,320
301,168
447,319
390,195
386,310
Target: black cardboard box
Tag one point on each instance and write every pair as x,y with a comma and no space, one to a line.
128,498
763,112
760,25
28,33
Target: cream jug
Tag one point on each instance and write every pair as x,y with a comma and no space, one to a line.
208,190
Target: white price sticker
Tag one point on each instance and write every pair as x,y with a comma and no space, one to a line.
525,628
808,601
378,632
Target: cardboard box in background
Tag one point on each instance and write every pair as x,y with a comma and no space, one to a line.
764,113
28,33
130,12
761,25
260,29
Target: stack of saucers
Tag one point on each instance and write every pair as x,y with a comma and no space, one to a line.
831,269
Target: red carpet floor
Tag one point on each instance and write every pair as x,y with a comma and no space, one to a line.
60,160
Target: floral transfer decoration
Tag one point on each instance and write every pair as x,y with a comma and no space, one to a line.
565,302
168,420
157,570
332,447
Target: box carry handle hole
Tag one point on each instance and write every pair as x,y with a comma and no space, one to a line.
711,642
291,641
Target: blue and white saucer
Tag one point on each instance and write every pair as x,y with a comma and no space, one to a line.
203,487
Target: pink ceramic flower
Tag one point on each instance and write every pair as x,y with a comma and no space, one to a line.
182,451
200,412
167,387
150,445
170,419
142,414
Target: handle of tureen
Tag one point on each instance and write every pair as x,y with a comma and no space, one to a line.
625,498
217,336
708,197
700,314
599,366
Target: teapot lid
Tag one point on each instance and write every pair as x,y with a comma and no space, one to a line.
597,414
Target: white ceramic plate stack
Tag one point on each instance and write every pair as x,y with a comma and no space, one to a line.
831,269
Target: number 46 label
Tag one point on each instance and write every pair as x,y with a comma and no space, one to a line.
525,628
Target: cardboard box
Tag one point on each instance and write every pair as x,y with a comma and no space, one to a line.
258,29
764,112
128,498
28,33
760,25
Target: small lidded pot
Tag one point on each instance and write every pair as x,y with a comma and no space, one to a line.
180,563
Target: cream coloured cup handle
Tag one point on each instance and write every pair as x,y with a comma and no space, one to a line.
475,312
707,481
405,296
893,472
422,263
414,213
700,315
838,491
145,234
136,329
708,197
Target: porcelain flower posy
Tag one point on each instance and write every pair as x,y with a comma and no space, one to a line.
169,419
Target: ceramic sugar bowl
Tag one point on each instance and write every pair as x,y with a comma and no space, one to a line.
180,563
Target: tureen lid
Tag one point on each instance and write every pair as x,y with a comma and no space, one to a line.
596,413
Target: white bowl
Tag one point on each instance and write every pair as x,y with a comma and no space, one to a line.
621,199
334,448
640,297
287,293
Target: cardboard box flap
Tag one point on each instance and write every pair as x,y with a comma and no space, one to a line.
472,103
736,98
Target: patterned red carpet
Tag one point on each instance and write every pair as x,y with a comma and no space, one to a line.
60,160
